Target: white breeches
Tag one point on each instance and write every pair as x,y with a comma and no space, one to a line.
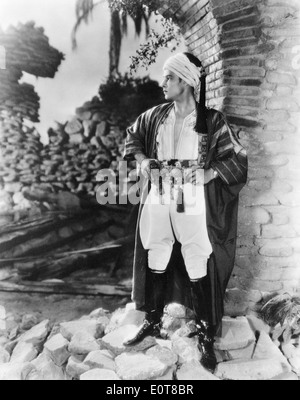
161,223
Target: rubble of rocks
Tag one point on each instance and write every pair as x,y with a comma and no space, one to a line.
91,349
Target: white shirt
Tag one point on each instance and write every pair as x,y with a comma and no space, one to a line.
188,141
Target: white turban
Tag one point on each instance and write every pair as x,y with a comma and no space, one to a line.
187,71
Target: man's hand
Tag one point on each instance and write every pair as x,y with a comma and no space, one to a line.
198,176
209,175
146,167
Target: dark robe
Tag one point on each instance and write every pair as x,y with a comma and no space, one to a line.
225,155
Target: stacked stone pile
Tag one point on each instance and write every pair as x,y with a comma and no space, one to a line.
91,349
89,142
20,153
27,49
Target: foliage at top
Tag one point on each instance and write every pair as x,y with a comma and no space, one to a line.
133,7
140,11
147,54
126,97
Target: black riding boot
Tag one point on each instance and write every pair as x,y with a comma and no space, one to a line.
152,323
205,330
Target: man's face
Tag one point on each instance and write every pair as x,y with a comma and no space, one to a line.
172,85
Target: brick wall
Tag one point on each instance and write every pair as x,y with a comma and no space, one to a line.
249,49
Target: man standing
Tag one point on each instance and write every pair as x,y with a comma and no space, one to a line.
187,222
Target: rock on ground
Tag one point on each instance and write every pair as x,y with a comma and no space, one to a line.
240,354
2,313
123,317
292,353
289,376
114,340
251,370
266,349
168,376
57,349
82,343
193,371
4,356
37,334
186,349
46,370
165,355
15,371
94,328
24,352
258,325
99,375
76,368
139,367
236,334
100,359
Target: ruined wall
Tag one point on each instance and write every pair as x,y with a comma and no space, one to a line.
249,48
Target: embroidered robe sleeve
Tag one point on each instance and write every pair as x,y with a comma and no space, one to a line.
135,140
231,159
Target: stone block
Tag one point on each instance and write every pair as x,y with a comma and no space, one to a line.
164,343
28,322
250,215
46,370
289,376
266,349
75,368
98,313
57,349
38,334
4,356
99,375
258,325
236,334
15,371
168,376
193,371
139,367
186,349
292,353
3,327
282,103
251,370
2,313
100,359
124,317
114,340
24,352
281,78
241,354
275,232
76,138
82,343
101,129
165,355
94,328
73,127
275,249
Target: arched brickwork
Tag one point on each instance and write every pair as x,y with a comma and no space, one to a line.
250,51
